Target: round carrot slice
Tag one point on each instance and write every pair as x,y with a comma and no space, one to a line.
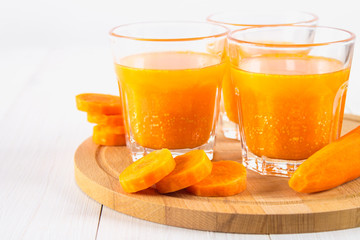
109,135
98,103
227,178
147,171
102,119
190,168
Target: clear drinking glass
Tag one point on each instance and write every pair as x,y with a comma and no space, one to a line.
169,75
238,20
290,93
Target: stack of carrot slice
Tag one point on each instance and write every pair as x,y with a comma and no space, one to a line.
105,111
192,171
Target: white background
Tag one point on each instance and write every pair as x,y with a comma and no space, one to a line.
52,50
81,23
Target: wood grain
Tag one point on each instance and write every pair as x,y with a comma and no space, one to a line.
40,130
267,206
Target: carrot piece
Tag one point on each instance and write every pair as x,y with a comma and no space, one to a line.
331,166
102,119
227,178
147,171
191,168
109,135
98,103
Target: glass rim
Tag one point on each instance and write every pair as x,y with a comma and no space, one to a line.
314,19
351,37
224,33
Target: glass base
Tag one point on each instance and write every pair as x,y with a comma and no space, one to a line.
269,166
138,151
229,128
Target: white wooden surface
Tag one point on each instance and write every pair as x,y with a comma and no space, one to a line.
49,52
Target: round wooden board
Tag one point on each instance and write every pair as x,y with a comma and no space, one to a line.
268,205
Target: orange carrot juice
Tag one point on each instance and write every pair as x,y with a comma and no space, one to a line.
229,97
170,98
290,105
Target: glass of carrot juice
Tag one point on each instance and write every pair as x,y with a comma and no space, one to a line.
169,76
244,19
290,93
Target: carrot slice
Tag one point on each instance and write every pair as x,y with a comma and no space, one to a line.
227,178
190,168
102,119
147,171
98,103
109,135
331,166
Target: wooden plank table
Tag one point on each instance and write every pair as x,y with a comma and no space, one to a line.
40,131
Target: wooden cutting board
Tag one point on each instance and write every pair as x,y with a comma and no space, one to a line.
267,206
